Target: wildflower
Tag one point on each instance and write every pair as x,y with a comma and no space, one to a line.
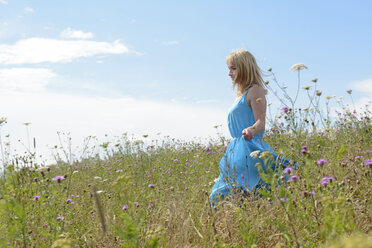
330,97
98,178
358,157
254,154
75,172
2,120
270,69
36,179
307,193
266,82
288,170
349,91
325,180
314,80
36,197
307,87
298,67
368,162
258,100
99,191
68,200
283,199
136,204
58,178
125,207
264,155
60,218
284,109
151,185
318,92
293,178
322,161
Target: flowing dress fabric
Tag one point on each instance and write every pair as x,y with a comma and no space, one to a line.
238,169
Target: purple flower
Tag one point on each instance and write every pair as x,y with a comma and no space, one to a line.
284,109
136,204
293,178
68,200
288,170
125,207
36,179
322,161
307,193
151,185
357,157
36,197
60,218
325,180
283,199
368,162
58,178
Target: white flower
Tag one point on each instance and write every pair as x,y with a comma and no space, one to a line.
329,97
98,178
298,67
254,154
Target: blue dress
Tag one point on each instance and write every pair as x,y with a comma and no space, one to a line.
238,169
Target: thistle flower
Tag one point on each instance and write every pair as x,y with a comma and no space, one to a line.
60,218
284,109
325,180
368,162
322,161
151,185
283,199
136,204
288,170
58,178
298,67
36,197
125,207
293,178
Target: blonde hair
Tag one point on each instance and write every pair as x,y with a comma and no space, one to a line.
248,72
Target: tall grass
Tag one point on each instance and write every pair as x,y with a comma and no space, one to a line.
155,193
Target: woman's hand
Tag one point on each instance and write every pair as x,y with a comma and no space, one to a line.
248,133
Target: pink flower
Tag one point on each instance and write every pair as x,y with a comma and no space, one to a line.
322,161
125,207
151,185
36,197
58,178
288,170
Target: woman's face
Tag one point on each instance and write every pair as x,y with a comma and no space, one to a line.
232,71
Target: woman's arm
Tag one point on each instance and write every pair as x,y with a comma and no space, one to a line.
257,101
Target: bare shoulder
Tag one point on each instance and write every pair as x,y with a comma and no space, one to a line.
256,91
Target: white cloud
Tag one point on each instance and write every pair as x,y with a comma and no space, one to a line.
25,79
39,50
28,10
364,86
3,2
69,33
83,116
169,43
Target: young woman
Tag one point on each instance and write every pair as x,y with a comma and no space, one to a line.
246,122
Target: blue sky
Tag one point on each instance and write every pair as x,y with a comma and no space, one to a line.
108,67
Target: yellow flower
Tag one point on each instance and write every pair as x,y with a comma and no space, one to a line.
258,100
307,87
314,80
329,97
266,82
318,92
254,154
298,67
269,69
349,91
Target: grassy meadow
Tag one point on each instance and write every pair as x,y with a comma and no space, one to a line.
153,192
